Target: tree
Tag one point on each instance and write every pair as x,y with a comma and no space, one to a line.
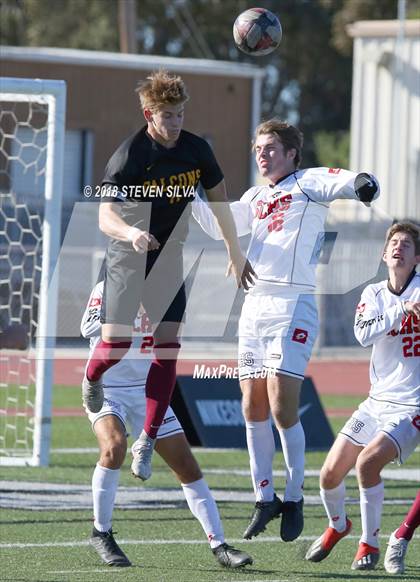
354,10
333,148
308,78
82,24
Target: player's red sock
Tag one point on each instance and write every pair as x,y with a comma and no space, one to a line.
105,355
160,384
411,522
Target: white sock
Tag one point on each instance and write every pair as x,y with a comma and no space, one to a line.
293,445
371,500
104,489
333,500
261,449
203,507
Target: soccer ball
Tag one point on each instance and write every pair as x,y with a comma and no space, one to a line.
257,32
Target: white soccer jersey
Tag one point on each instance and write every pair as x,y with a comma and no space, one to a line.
131,371
286,222
395,362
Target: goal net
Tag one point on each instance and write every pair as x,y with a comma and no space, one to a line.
32,129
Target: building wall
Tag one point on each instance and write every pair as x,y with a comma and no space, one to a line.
102,99
385,128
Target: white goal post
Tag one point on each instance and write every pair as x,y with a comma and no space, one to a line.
30,228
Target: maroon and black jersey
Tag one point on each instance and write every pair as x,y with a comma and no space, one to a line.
142,170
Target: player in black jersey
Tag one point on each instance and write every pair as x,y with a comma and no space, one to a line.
148,185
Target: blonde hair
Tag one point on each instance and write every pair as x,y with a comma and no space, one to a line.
289,136
409,228
160,89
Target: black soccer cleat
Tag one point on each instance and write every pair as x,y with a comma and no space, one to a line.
108,549
264,512
229,557
291,520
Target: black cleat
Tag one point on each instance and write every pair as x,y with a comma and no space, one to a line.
108,549
292,520
264,512
229,557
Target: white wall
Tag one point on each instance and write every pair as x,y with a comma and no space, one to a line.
385,124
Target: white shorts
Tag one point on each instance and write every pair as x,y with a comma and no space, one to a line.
276,334
399,422
129,405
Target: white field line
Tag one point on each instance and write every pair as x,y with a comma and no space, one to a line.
104,570
64,497
108,570
159,542
397,474
74,451
89,450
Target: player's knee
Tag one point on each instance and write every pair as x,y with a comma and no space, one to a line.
113,455
118,346
283,417
188,471
368,464
252,410
329,477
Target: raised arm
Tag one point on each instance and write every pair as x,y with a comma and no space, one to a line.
203,214
240,266
371,323
327,184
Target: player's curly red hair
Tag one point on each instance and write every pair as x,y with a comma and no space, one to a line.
160,89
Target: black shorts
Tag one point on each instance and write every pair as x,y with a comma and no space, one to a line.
154,279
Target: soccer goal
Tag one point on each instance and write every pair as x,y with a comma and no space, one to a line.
32,130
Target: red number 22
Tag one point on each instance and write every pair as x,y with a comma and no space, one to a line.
411,346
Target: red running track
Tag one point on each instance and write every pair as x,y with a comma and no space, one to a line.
329,376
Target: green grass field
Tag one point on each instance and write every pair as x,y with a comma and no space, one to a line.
166,543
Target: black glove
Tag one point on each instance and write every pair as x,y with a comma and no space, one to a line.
365,187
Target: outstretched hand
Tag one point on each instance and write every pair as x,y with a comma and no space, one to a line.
242,270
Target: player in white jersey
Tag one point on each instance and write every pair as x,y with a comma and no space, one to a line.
386,426
278,323
124,406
